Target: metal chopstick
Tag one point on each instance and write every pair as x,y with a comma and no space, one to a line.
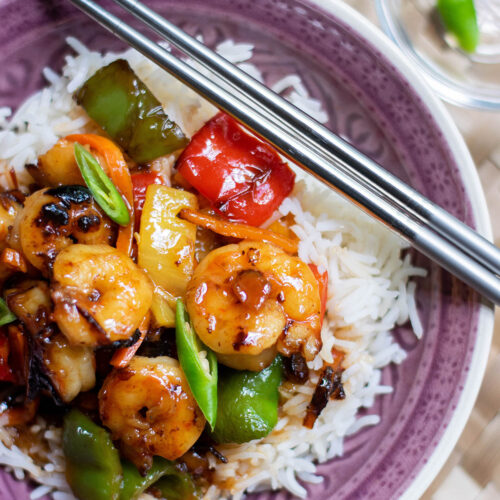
443,222
423,238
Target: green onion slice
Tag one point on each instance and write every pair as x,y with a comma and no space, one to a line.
6,315
101,187
201,374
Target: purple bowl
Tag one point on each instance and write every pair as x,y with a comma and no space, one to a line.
376,101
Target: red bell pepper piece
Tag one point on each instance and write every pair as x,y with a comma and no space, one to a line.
323,287
243,178
140,183
5,371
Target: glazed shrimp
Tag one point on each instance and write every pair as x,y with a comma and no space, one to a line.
249,299
10,206
54,218
148,407
57,166
71,369
100,296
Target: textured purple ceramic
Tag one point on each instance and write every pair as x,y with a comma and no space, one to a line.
370,104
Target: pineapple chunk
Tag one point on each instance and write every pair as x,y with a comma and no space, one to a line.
166,247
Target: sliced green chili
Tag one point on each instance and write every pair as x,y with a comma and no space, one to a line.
459,18
103,190
6,315
203,383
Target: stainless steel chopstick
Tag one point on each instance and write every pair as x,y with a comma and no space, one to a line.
456,231
423,238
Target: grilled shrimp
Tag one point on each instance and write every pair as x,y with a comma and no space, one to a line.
10,206
54,218
57,166
148,407
71,369
246,300
100,295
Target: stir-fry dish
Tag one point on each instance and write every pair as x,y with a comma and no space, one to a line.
154,315
182,315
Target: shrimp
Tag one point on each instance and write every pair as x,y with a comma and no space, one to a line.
10,206
249,299
57,166
149,407
54,218
70,369
100,296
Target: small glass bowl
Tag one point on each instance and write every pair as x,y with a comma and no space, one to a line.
471,80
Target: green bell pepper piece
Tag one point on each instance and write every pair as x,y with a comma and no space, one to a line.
127,110
178,486
93,468
203,383
459,18
247,404
133,483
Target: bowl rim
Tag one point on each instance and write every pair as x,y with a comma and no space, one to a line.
373,35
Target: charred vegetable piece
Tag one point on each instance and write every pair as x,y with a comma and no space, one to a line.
126,109
93,468
247,404
459,18
6,315
133,483
328,387
100,185
202,379
296,368
243,178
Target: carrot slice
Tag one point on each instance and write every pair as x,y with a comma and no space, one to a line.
239,231
121,358
119,173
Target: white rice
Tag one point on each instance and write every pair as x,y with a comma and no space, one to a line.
369,289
